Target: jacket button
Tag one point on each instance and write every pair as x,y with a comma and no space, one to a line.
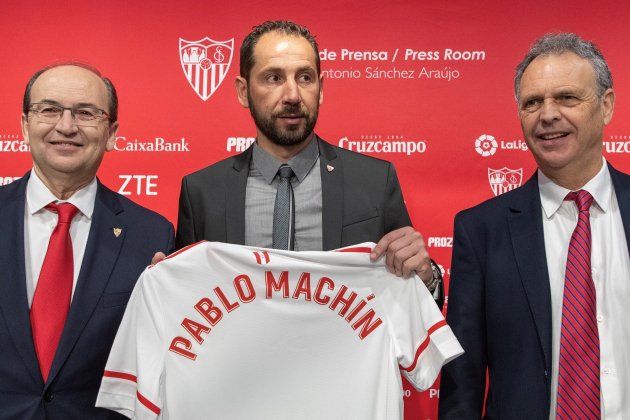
48,396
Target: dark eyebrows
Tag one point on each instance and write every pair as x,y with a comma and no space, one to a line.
282,70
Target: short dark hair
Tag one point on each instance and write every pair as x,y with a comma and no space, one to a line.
559,43
111,90
284,26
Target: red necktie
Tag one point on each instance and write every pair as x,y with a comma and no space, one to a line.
51,301
578,375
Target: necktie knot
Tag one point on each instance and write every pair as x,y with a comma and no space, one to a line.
284,211
583,199
65,211
285,171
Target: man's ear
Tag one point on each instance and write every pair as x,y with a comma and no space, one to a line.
321,89
241,90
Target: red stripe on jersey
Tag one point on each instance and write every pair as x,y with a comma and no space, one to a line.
424,345
178,252
148,404
266,255
129,377
257,257
120,375
356,249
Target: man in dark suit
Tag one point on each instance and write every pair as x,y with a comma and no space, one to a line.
59,312
540,281
341,197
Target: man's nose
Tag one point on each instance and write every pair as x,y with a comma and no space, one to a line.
66,123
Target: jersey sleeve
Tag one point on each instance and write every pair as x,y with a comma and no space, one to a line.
131,382
423,339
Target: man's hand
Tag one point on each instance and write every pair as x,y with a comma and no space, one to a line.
159,256
405,252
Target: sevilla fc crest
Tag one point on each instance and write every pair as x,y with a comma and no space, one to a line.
504,180
205,63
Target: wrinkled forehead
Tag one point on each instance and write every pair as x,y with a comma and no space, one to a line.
278,47
70,85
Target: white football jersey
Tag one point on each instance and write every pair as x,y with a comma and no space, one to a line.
219,331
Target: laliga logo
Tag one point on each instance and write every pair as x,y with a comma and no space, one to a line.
486,145
205,63
504,180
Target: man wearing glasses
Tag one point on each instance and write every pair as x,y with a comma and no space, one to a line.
70,250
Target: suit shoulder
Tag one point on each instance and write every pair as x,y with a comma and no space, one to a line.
136,212
15,187
12,191
217,169
352,156
486,210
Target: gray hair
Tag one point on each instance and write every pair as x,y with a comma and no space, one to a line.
559,43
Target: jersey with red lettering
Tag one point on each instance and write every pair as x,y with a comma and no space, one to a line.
219,331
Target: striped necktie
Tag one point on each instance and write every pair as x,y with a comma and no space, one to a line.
578,373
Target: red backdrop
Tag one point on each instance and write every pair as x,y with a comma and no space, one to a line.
425,84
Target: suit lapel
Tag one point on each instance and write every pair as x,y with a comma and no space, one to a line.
526,231
331,169
101,254
621,182
235,198
13,300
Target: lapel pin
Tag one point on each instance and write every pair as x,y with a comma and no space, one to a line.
117,231
330,168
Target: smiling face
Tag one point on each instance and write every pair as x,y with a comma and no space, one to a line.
64,153
563,118
283,92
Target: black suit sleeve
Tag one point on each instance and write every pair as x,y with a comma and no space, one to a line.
396,215
185,220
463,381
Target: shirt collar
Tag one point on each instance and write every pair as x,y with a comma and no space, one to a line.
302,163
39,196
552,195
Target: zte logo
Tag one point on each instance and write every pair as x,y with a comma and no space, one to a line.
4,180
239,144
440,241
138,185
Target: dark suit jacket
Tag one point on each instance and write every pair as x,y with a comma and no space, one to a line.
361,200
111,265
500,307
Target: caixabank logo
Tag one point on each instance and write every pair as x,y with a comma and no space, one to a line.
154,144
205,63
488,145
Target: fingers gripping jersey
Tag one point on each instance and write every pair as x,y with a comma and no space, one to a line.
222,331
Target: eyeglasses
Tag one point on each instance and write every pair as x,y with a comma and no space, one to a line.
81,115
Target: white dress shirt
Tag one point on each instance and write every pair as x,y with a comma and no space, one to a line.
610,267
39,224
